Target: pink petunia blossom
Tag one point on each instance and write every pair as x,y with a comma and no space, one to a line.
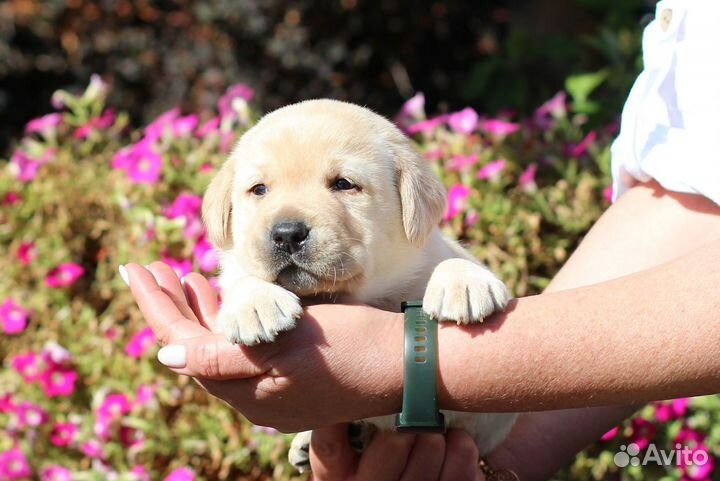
181,267
131,437
185,205
643,432
140,473
527,178
582,147
64,275
11,198
183,126
427,126
140,343
13,317
492,170
205,255
14,465
608,193
105,121
461,163
237,91
92,449
414,107
434,154
689,437
23,167
194,228
114,406
545,115
458,195
59,382
64,434
464,122
45,125
697,464
29,366
209,127
102,428
30,415
145,395
499,128
27,253
161,124
181,474
144,164
7,403
56,473
96,89
666,411
610,434
55,355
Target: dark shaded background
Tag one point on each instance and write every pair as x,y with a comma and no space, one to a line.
157,54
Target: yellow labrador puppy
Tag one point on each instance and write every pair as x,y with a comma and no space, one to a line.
328,197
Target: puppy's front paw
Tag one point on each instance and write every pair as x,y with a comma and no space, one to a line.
462,291
257,312
299,454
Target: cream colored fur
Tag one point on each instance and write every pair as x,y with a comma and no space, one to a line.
378,243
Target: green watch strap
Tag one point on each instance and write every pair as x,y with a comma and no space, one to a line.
420,400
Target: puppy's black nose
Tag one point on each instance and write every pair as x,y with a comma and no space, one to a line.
289,235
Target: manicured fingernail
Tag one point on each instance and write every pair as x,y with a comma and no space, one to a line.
173,355
124,274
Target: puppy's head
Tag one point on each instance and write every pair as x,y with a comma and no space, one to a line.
320,196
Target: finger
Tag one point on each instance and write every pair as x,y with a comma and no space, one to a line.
203,300
331,457
386,457
426,458
168,280
212,356
461,457
160,311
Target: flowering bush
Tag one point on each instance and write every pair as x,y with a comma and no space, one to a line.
81,396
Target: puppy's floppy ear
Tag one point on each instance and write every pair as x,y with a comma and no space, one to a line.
217,206
422,195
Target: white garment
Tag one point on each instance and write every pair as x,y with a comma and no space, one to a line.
670,125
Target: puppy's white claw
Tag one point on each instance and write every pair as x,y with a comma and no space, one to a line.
463,291
259,314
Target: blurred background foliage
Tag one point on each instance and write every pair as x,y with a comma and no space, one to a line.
156,54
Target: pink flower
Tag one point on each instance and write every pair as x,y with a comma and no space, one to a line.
689,437
56,355
697,463
608,193
56,473
492,170
180,266
461,163
96,89
114,406
130,437
666,411
427,126
59,382
105,121
610,434
140,473
185,205
163,122
464,122
237,91
7,404
184,125
205,255
181,474
643,432
140,343
45,125
28,365
23,167
527,178
554,108
194,228
30,414
582,147
92,449
498,127
64,275
414,107
434,154
12,198
26,253
145,395
457,200
209,127
13,317
14,465
64,434
144,164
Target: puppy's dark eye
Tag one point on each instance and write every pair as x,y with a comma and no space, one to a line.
258,190
344,184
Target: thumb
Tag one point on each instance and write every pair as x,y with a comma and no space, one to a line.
212,356
331,457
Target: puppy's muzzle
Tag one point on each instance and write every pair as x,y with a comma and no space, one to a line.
289,236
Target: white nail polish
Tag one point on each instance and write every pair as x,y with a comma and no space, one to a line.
124,274
174,355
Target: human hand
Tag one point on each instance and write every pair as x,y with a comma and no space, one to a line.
349,359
